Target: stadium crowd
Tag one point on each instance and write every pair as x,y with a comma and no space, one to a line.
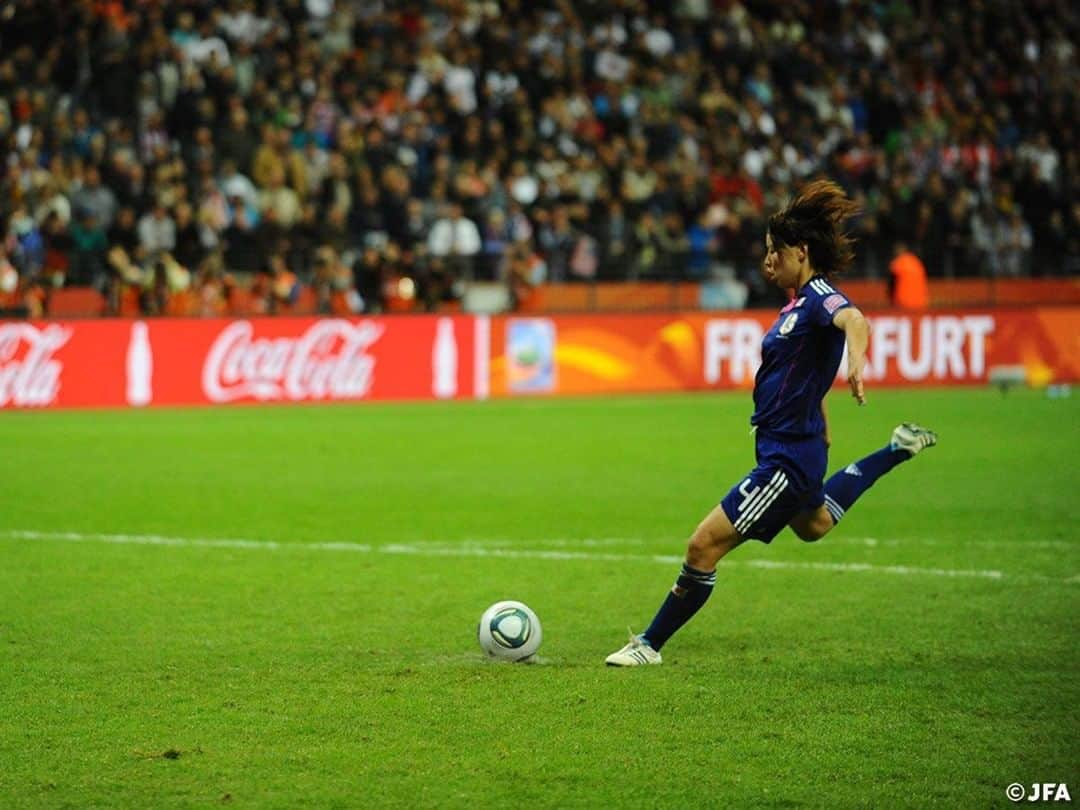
377,151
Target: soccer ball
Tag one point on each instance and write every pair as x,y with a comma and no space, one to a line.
510,631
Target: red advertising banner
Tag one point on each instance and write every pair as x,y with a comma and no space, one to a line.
195,362
592,354
201,362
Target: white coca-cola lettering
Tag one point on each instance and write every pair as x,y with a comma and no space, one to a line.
328,361
33,380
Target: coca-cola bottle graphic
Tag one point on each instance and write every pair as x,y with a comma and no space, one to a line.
444,360
140,366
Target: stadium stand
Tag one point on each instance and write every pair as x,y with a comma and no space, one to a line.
195,157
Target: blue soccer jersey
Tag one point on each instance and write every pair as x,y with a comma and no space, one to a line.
799,358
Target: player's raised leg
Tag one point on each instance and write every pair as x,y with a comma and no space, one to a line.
848,485
844,488
714,537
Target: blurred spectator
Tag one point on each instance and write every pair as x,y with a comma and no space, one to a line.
556,238
674,247
241,248
455,240
235,142
58,247
334,231
1050,249
89,244
525,271
9,283
703,242
157,232
335,285
521,277
615,237
127,282
95,199
214,286
984,239
280,199
191,240
958,238
52,201
124,232
276,288
370,281
647,242
1013,244
235,184
497,239
27,246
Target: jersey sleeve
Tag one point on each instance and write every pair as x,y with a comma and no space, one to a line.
826,306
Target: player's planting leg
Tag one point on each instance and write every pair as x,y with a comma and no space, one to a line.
712,539
844,488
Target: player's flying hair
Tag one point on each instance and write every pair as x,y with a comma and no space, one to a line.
815,218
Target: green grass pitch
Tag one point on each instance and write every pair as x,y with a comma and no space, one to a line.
923,654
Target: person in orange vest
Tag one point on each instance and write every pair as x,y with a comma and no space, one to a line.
907,280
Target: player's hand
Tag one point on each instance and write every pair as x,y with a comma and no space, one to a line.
854,379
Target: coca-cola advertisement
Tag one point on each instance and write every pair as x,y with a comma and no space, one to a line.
192,362
330,360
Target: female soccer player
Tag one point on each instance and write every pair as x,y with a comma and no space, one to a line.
800,354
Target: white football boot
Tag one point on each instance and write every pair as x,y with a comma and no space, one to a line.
635,654
913,438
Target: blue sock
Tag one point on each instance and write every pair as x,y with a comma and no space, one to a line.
844,488
691,590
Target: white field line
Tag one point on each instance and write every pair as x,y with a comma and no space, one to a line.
1016,545
480,549
870,542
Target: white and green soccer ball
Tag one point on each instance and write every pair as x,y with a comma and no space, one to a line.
510,631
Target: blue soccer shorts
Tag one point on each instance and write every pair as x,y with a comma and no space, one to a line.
788,479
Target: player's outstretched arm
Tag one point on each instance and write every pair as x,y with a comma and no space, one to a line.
857,332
